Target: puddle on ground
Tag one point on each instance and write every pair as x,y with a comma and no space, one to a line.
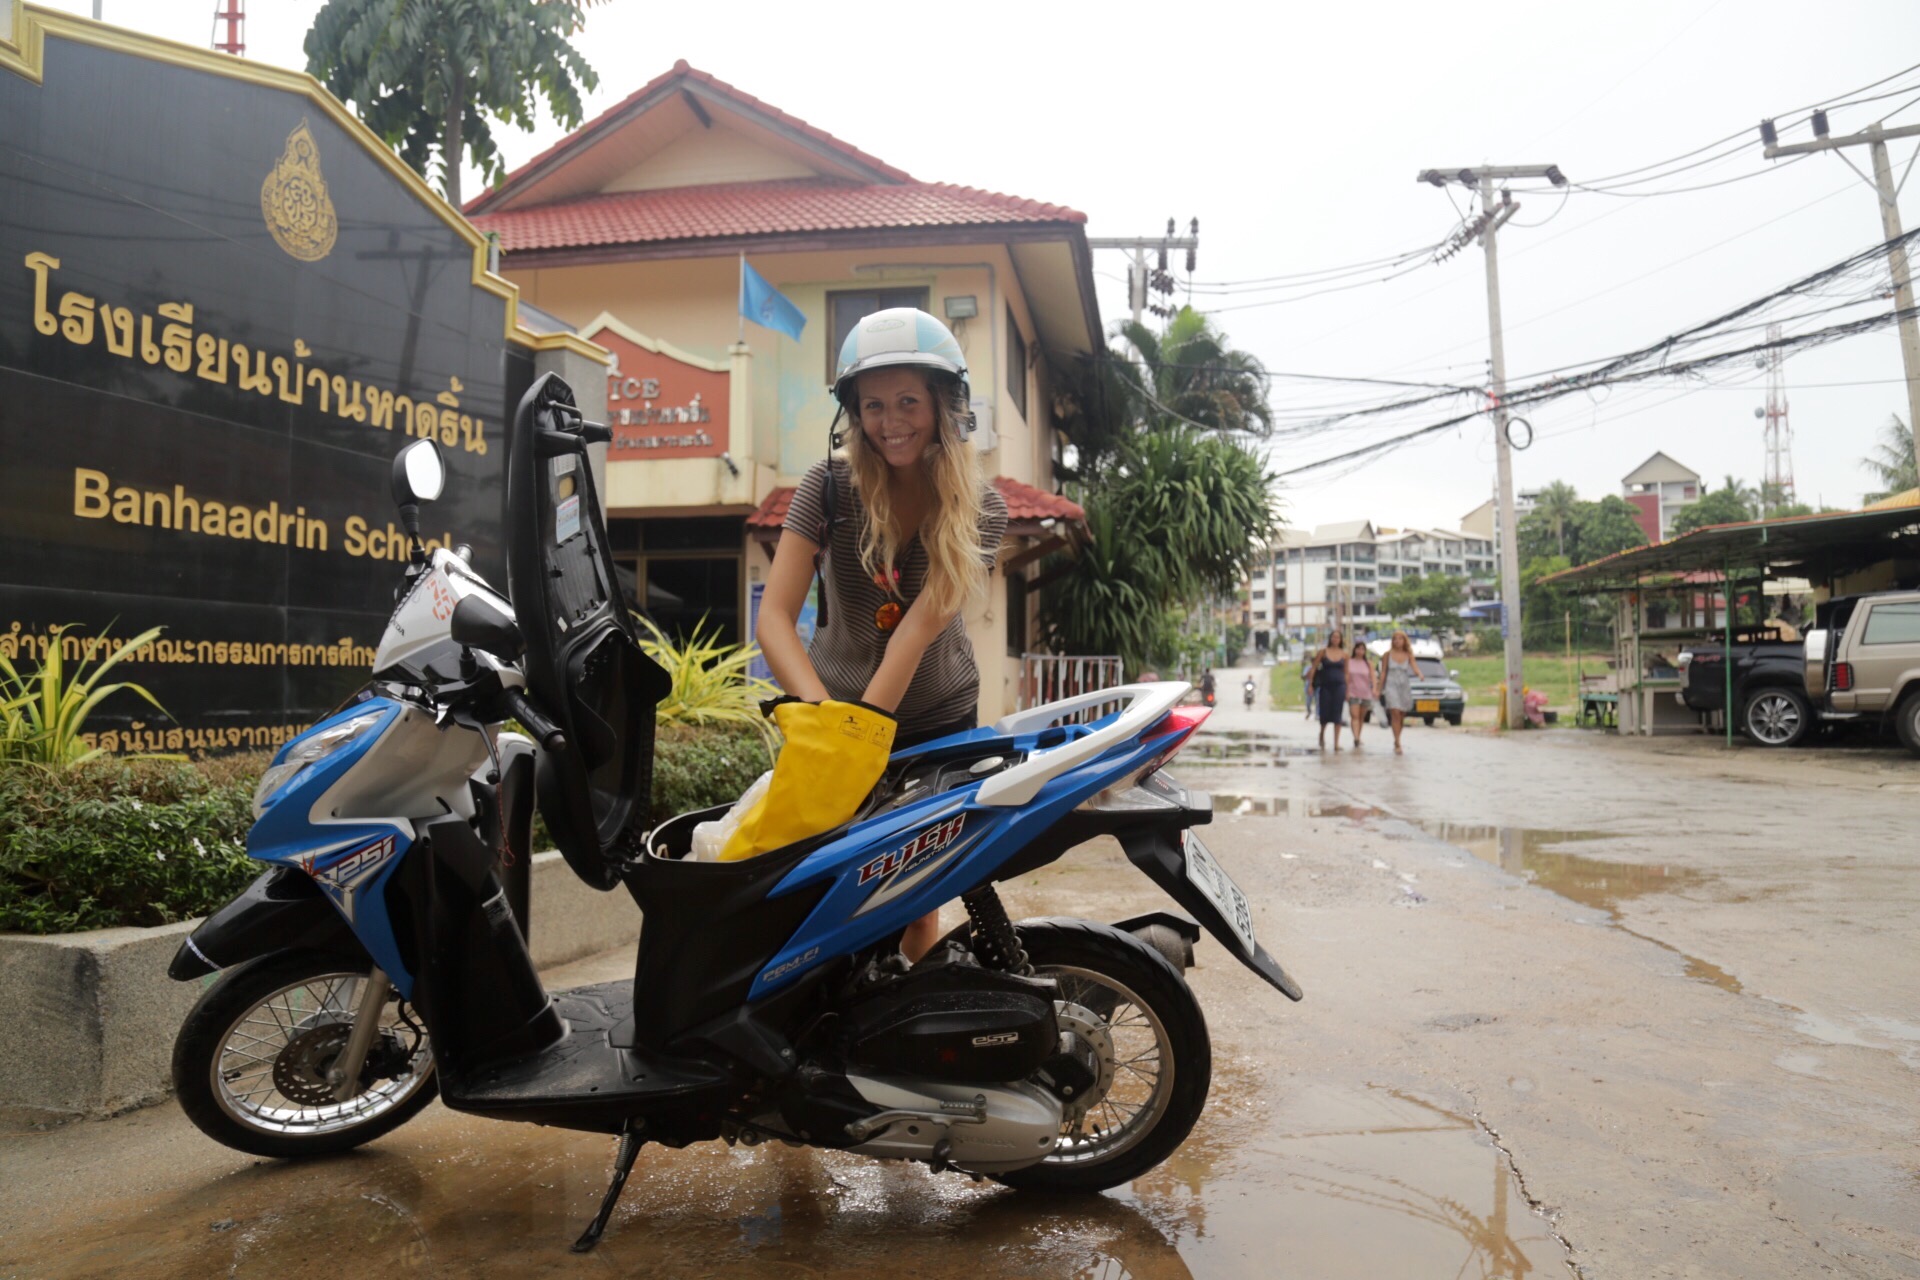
1533,853
1243,804
1867,1032
1244,747
1357,1182
1592,882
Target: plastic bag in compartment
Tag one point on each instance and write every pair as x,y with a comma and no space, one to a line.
709,838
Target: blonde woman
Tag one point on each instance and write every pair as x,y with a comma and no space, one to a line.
1397,669
902,531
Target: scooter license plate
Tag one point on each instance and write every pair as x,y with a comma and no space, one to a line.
1218,888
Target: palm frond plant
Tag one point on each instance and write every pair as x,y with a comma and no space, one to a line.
711,681
43,714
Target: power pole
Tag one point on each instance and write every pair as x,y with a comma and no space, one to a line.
1875,139
1140,279
1486,226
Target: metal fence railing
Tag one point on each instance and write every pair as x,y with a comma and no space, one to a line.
1049,677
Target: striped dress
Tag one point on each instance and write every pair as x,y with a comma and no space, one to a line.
847,651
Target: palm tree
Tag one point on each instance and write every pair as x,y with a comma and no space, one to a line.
1190,372
1892,461
1743,494
1558,503
426,74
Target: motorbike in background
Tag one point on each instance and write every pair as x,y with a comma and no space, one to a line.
381,958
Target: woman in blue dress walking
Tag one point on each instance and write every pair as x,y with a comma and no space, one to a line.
1330,685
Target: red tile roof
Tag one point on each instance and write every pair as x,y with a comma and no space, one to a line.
772,513
1025,504
616,115
791,206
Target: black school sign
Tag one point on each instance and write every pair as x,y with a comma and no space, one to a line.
224,306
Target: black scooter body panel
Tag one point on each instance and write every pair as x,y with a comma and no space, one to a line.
587,1082
282,910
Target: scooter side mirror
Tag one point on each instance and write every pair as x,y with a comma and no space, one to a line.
478,624
419,473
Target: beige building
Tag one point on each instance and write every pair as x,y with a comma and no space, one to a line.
632,230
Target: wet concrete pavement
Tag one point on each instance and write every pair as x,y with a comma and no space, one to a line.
1575,1006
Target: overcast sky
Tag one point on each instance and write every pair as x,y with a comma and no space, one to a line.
1293,132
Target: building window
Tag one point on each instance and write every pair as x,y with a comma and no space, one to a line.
1016,365
848,309
1260,595
1259,615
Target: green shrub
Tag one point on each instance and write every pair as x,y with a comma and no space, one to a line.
122,842
696,768
711,686
43,713
147,842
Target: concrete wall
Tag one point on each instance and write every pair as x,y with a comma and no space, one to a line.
87,1021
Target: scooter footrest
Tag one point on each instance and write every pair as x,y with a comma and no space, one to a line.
583,1080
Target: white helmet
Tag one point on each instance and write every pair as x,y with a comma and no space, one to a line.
900,336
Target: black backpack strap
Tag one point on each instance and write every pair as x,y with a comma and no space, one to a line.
823,535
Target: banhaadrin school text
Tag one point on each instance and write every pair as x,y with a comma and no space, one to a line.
224,306
631,230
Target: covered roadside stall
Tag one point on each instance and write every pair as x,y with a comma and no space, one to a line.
1692,588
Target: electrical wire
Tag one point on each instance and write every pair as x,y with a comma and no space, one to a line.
1655,360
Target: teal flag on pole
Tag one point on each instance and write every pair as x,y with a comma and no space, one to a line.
765,305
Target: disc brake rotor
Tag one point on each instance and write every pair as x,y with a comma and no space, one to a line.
300,1070
1077,1020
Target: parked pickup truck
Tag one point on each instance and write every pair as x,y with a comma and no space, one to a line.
1769,684
1860,661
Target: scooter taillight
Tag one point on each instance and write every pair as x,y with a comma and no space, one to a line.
1172,733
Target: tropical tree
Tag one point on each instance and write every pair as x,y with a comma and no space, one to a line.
1190,372
1892,461
1433,599
1731,504
1605,528
1557,505
1177,516
1177,501
426,74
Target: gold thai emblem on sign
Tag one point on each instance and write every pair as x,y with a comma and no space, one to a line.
294,200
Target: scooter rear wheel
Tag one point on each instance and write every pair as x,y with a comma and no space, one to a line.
250,1061
1159,1056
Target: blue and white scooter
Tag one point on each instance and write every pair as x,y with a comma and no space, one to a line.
382,955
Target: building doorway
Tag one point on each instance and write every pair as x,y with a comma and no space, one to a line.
682,573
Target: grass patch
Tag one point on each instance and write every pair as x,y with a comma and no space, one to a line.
1553,674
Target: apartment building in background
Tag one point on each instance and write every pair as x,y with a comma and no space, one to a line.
1334,575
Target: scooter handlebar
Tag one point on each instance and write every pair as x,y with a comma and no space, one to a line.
548,734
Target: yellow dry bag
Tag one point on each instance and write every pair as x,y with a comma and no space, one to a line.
834,753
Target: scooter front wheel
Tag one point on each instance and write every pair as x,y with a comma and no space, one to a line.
1149,1032
251,1061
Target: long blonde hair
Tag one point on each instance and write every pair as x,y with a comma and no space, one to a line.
950,532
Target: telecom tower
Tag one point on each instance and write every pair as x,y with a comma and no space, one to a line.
1777,481
234,14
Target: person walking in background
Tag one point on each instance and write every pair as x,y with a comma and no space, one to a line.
1396,683
1306,683
1330,686
1359,689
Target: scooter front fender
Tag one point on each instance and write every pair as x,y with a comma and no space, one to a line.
283,910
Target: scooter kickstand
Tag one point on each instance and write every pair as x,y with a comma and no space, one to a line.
630,1144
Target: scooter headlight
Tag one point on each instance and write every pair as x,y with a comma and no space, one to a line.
309,751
